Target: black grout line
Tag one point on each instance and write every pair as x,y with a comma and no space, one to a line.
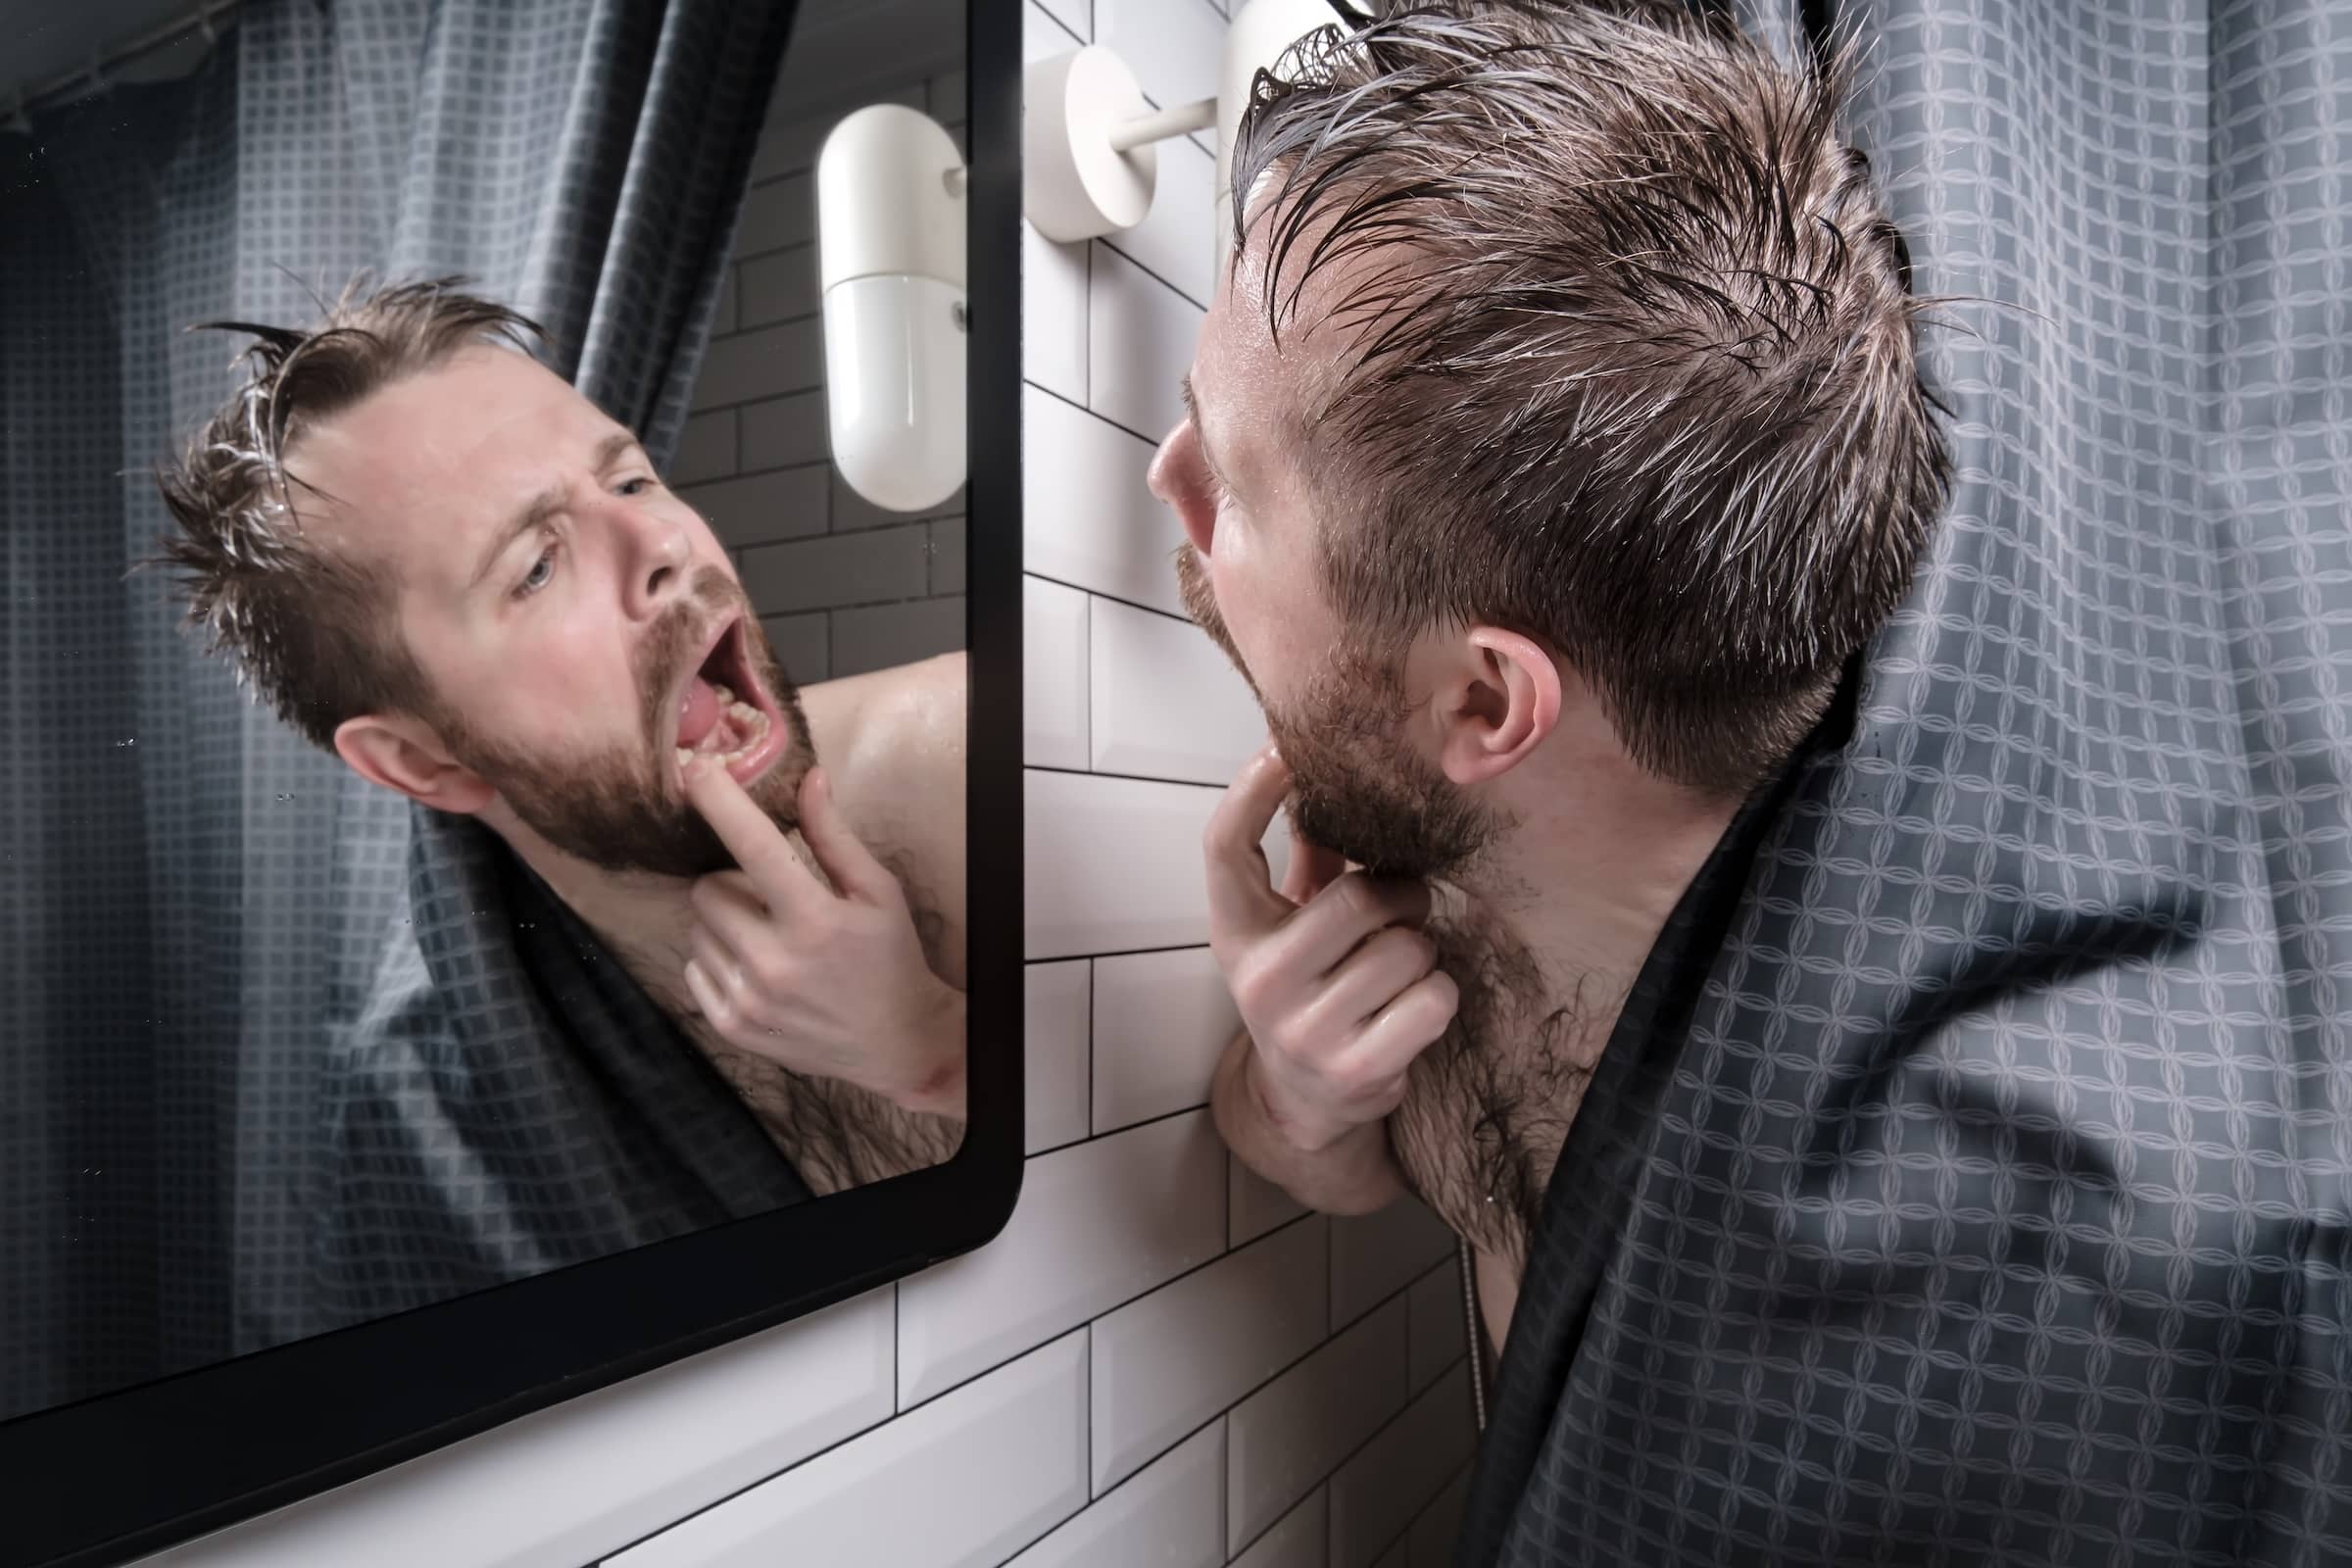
760,1481
1116,599
1178,617
1151,441
1325,1480
1127,1302
1086,1360
1136,778
1144,268
1091,1129
1116,953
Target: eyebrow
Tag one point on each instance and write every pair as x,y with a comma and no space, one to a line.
546,504
1192,411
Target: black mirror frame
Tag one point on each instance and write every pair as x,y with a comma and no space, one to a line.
123,1474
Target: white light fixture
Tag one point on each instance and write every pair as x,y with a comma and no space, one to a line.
891,217
1088,164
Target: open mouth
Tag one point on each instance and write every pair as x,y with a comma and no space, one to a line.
726,711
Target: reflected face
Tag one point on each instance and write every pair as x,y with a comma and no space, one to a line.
581,627
1337,709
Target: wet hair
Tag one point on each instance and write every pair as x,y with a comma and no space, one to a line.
313,629
1634,367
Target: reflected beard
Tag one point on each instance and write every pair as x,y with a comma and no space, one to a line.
1357,789
615,809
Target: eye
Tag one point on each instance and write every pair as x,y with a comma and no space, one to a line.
542,571
646,480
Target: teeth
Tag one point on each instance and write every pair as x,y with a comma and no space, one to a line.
750,720
725,696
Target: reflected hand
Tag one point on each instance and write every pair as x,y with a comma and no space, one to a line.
827,984
1338,986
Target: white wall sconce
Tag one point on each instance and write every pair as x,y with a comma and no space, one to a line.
891,218
891,223
1089,166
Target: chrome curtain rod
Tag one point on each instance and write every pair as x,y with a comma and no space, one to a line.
206,16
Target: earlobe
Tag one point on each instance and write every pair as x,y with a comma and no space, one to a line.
1508,710
402,754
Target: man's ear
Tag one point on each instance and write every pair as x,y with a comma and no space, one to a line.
1503,699
404,754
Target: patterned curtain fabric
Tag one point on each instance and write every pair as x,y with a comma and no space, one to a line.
186,888
1968,1181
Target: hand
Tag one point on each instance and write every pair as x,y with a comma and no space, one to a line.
1338,986
832,985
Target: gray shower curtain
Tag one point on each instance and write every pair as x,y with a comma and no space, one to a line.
1969,1178
189,894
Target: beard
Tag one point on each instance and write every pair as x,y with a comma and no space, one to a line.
1357,788
616,808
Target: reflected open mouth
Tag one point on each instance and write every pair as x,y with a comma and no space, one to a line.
726,710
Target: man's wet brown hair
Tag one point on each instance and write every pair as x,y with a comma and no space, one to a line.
1635,372
312,628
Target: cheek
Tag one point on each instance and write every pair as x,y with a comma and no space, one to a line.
1261,602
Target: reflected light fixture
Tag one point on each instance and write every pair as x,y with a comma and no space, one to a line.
891,214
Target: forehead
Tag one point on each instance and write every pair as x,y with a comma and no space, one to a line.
437,458
1242,369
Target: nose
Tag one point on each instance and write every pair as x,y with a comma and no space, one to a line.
1175,478
656,554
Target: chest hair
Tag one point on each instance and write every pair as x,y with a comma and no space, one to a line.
1487,1105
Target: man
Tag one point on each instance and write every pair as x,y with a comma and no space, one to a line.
1555,440
439,561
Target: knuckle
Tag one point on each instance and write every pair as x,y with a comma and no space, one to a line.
767,970
1253,984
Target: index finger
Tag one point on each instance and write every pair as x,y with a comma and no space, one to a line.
750,834
1241,884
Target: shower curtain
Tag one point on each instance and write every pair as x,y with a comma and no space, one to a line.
1969,1178
190,895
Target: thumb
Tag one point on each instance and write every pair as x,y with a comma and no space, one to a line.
1312,869
852,867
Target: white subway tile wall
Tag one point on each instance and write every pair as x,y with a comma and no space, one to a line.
1263,1387
1162,1358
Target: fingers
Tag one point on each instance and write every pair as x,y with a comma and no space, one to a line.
1242,900
845,858
750,834
1344,914
1372,977
731,908
710,1000
1406,1026
1312,869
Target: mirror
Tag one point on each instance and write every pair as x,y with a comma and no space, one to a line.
371,944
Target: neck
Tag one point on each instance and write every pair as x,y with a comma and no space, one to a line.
643,919
1588,877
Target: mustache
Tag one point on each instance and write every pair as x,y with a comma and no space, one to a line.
675,639
1201,603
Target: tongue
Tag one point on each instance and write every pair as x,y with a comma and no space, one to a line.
698,714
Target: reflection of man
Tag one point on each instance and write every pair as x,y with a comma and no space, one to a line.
1543,489
471,586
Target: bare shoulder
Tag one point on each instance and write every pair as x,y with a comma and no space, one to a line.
894,742
895,735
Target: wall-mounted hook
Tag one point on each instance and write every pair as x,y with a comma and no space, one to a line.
1089,166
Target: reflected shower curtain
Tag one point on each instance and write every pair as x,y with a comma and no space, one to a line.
190,893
